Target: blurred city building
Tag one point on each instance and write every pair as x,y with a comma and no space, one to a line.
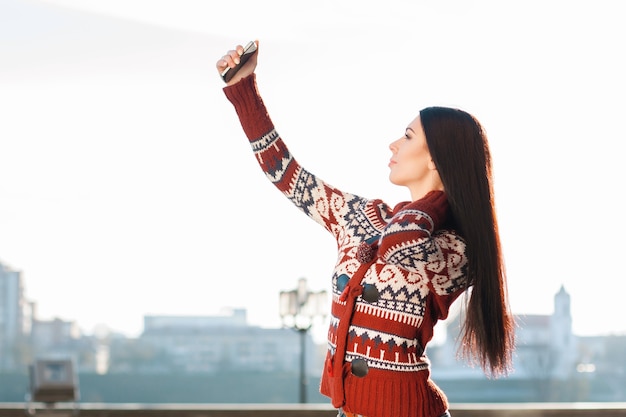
208,344
15,318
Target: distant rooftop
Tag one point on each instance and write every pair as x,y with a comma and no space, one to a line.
234,318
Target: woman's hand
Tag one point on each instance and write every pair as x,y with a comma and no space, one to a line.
231,59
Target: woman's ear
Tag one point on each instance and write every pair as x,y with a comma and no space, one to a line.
431,165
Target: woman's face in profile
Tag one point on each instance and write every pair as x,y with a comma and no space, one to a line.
411,164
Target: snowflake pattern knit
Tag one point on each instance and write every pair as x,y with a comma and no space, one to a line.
397,274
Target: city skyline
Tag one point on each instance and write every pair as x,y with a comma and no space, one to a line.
240,316
129,189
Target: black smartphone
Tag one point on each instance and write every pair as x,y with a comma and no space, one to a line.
248,51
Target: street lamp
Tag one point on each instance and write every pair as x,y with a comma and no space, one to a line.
298,309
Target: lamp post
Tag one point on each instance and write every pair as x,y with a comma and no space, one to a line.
298,309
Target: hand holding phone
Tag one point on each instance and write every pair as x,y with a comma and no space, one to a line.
229,72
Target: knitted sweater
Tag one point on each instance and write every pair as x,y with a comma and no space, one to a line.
397,274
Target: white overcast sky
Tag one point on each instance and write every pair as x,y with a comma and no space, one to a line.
127,186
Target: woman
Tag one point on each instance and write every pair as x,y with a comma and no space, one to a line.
399,268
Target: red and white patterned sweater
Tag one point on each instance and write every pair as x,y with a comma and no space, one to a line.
397,274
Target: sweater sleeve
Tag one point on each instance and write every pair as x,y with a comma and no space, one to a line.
408,236
250,108
414,241
320,201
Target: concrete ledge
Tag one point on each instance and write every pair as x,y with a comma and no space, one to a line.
308,410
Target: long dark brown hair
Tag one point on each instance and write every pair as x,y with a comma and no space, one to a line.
459,148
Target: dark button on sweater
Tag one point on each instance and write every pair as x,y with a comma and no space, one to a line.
359,367
370,293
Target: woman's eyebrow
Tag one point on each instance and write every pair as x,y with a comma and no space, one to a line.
408,128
